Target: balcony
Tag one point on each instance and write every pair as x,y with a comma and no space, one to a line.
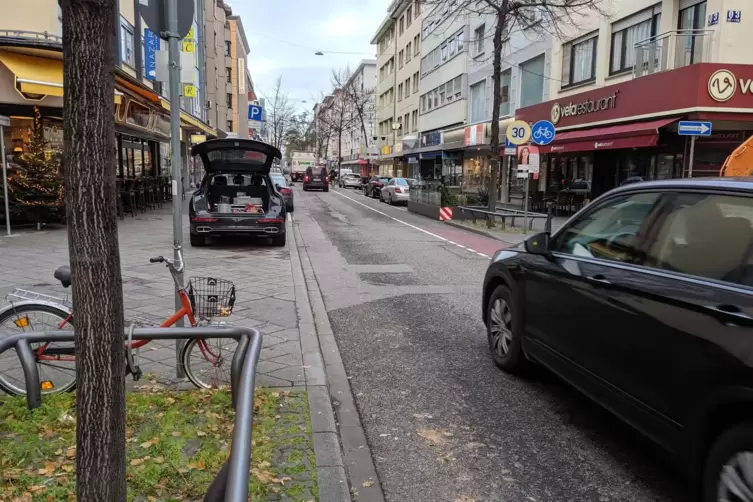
671,50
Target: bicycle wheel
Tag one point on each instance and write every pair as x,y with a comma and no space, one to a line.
208,361
57,375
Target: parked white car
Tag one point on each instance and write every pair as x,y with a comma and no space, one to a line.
397,191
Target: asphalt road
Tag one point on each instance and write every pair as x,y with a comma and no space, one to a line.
443,423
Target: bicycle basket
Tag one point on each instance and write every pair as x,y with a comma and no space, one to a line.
211,297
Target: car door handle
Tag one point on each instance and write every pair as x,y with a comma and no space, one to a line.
732,310
599,278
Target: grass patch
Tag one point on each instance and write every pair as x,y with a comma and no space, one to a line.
497,228
176,442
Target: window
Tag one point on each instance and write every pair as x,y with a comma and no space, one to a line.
453,46
400,59
478,40
418,7
441,95
229,126
449,88
458,86
407,87
406,123
402,26
610,231
460,41
407,52
408,16
687,240
229,100
400,92
579,62
690,46
445,51
416,42
415,120
227,48
415,82
532,81
478,101
504,93
624,40
126,43
229,75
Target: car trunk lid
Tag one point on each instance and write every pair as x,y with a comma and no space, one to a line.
236,155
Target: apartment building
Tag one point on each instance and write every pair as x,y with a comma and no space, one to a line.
358,142
235,87
218,74
31,81
384,39
619,85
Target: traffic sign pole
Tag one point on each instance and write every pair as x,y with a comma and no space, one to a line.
173,51
692,155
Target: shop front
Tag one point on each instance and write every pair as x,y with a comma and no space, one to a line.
629,131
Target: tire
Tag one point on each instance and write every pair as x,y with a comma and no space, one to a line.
12,384
326,189
279,240
374,194
290,208
198,240
505,343
722,453
390,202
201,370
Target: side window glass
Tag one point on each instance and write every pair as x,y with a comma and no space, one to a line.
610,231
706,235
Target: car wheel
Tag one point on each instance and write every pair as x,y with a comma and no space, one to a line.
278,240
390,201
326,189
503,331
198,240
290,208
729,465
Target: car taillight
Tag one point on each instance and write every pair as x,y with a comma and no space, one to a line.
286,191
305,178
397,189
203,219
271,220
326,179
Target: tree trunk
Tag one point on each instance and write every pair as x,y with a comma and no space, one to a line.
89,139
496,78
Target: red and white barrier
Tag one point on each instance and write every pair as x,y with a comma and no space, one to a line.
445,213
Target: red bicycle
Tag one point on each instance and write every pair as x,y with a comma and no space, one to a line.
206,362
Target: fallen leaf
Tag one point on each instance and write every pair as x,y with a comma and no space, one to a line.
200,465
306,366
201,433
58,452
169,400
175,434
159,460
367,484
67,468
36,488
446,458
266,477
147,444
71,452
435,437
183,470
137,461
63,480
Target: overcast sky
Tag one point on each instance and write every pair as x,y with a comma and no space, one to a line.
284,34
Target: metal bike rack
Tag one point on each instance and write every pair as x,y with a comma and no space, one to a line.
231,482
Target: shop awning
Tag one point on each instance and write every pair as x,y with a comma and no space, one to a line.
359,162
35,75
633,135
187,119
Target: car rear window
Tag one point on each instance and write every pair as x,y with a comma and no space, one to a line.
238,156
384,180
401,181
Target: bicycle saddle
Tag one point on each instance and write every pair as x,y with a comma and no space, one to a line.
63,274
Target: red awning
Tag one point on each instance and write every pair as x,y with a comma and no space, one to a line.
633,135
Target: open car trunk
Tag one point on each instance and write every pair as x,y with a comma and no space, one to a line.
238,193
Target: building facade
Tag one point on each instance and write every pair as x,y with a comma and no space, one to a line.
216,50
358,142
236,86
384,39
619,86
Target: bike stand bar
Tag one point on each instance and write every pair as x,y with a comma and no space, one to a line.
236,367
31,374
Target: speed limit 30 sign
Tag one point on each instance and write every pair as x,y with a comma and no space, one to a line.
519,132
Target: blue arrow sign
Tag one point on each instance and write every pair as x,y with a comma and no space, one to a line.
255,112
694,128
542,132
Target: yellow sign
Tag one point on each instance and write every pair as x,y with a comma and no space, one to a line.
519,132
198,138
386,150
189,91
188,46
189,36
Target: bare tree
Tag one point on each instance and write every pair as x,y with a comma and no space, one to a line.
280,115
549,16
359,98
89,138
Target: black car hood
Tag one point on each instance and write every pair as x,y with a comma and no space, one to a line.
236,155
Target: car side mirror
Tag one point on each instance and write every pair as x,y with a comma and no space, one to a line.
539,244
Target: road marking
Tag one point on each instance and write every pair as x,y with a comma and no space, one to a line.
411,226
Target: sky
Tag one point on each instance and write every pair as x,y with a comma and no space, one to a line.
284,34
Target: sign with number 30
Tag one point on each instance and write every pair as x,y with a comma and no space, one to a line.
519,132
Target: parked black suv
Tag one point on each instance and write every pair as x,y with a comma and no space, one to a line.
316,178
644,301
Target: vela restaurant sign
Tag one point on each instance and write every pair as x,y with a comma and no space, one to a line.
723,85
560,111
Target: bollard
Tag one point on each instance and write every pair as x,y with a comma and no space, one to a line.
549,215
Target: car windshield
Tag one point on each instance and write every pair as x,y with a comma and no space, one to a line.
279,179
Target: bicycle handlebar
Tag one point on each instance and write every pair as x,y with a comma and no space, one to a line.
170,263
157,259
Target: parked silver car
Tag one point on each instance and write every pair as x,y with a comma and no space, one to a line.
285,189
350,180
396,191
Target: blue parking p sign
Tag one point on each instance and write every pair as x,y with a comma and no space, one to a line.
255,112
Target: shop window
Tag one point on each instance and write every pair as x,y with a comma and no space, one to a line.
644,26
579,62
532,81
504,93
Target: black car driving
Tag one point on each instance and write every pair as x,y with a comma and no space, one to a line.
644,301
237,195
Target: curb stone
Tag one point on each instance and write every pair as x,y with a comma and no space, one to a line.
480,232
321,351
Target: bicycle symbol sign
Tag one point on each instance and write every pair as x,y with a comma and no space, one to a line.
542,132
